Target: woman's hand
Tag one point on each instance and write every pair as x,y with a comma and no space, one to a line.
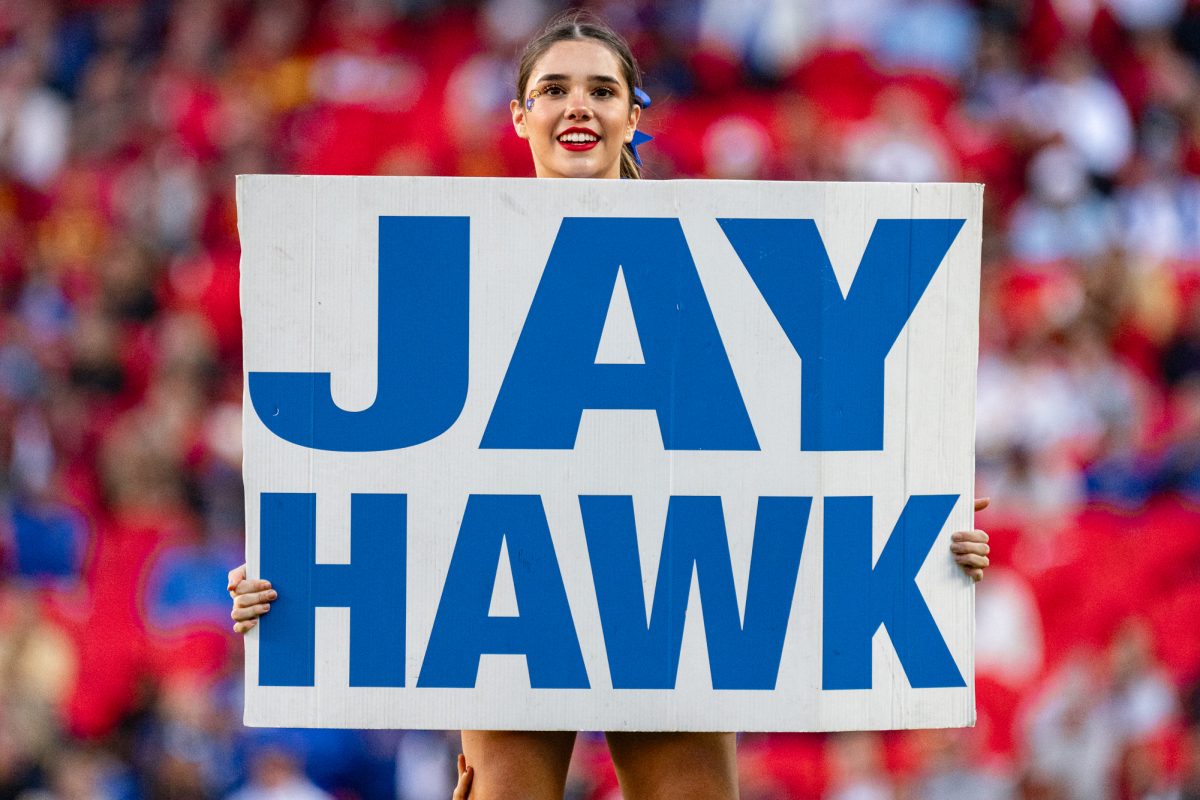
251,599
970,548
465,774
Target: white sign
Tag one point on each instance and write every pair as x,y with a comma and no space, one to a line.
609,455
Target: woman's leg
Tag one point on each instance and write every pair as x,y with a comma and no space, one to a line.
530,765
675,766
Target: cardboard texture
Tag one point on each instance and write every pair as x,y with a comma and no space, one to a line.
528,454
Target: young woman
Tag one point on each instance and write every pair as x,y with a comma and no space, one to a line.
578,107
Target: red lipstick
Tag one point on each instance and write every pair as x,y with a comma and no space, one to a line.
586,140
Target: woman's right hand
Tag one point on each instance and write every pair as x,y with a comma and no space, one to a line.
465,775
251,599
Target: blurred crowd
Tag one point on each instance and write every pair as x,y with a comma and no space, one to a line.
123,122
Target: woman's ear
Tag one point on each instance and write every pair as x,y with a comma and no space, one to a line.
518,118
635,116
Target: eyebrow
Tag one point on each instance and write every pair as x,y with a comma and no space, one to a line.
591,78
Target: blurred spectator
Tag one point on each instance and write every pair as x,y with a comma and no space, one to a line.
1142,696
1077,103
189,745
1143,14
1073,741
898,143
34,120
1063,216
954,768
275,775
938,36
82,774
1008,628
1094,730
736,147
1181,356
423,766
857,768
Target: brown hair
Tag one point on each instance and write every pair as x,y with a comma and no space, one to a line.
574,26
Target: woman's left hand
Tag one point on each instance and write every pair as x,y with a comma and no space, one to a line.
970,548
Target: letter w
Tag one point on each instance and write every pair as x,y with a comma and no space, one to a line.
743,650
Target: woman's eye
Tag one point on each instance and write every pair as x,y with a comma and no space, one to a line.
552,90
603,91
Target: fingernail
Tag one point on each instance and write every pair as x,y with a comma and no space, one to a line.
272,594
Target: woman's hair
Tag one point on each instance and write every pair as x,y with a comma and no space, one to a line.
575,26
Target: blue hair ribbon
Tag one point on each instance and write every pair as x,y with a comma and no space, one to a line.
643,100
638,139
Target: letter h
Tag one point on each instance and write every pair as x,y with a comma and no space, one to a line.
372,586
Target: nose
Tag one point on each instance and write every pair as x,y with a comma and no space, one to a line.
578,108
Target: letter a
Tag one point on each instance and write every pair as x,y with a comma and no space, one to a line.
463,630
685,378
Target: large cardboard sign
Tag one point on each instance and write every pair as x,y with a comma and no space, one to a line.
609,455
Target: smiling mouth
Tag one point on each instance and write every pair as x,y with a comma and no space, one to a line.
578,139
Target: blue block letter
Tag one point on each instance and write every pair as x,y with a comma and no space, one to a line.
842,342
372,586
422,378
743,650
553,375
858,599
463,630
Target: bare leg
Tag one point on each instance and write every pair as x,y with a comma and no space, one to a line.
530,765
675,766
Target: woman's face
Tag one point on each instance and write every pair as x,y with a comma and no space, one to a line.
582,115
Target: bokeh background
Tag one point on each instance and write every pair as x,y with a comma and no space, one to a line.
122,124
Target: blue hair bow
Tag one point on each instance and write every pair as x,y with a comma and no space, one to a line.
638,138
642,100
